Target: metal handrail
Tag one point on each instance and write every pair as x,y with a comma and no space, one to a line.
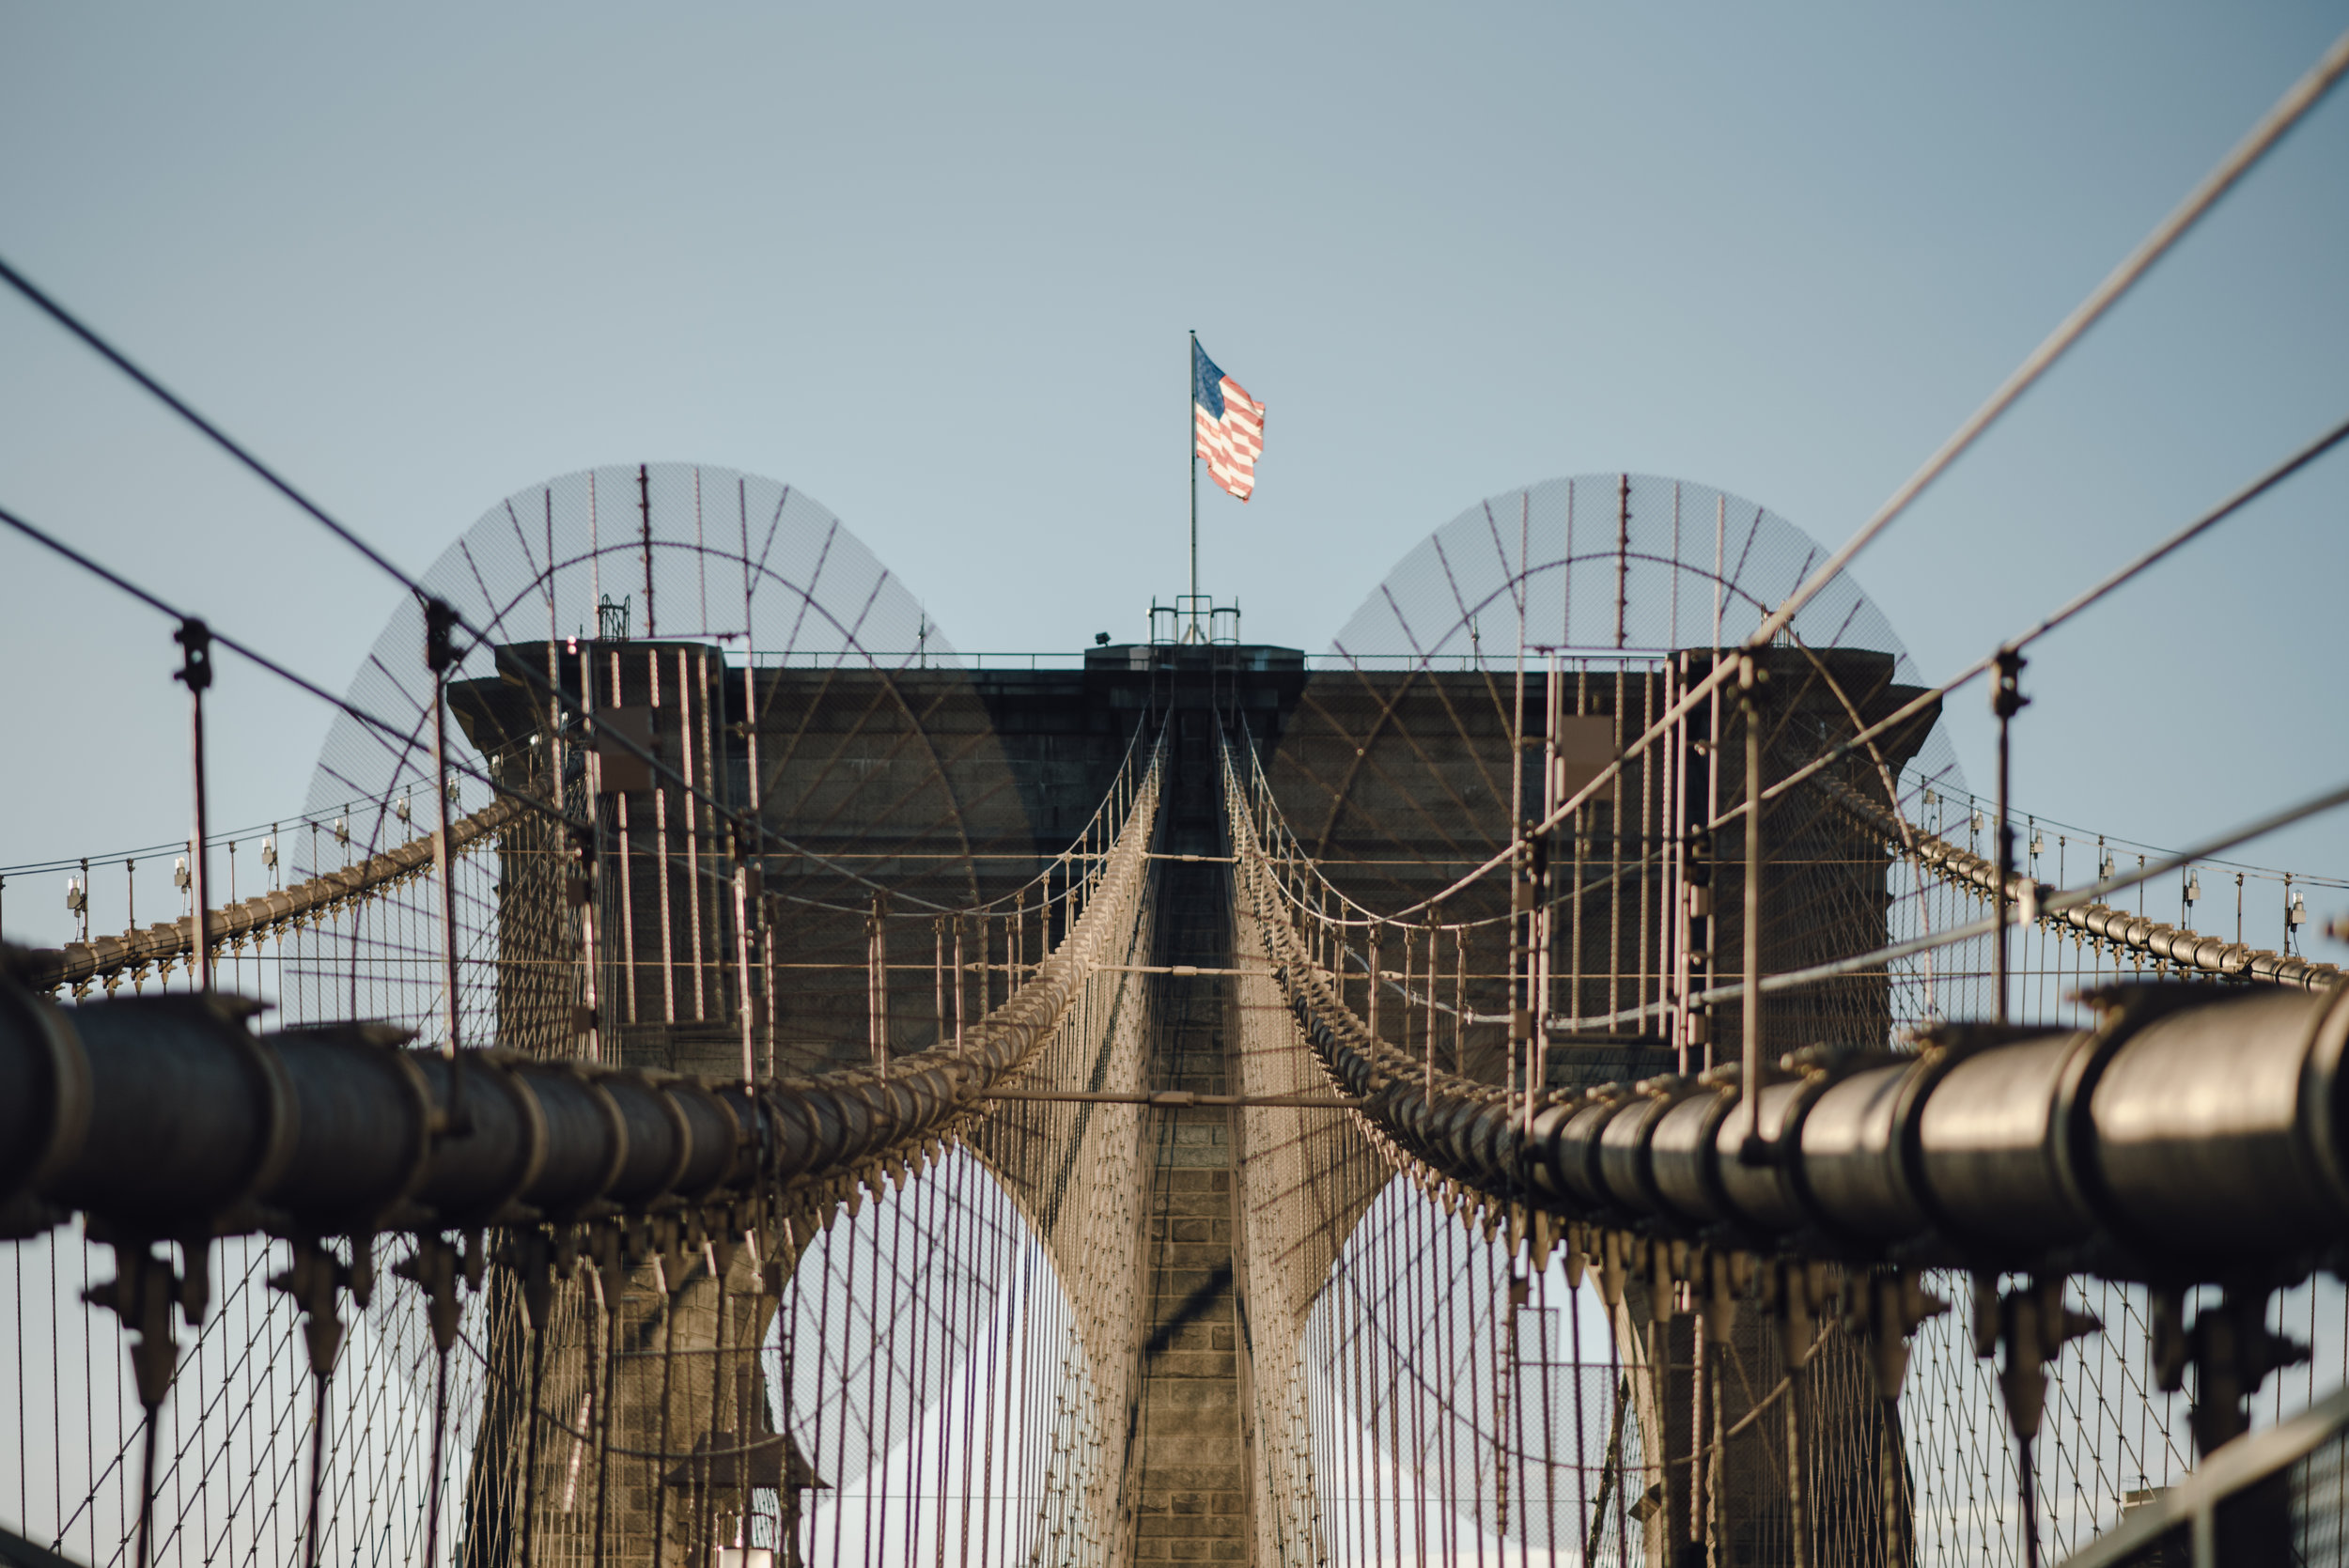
2193,1503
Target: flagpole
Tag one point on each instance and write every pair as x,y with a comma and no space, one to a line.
1192,422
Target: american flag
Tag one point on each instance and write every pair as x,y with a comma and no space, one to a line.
1230,425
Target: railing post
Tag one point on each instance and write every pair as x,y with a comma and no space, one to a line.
583,895
2006,701
196,672
440,653
1750,713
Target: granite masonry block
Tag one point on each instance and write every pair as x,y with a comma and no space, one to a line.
1164,1481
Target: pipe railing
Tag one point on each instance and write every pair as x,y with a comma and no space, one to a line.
168,942
2179,946
166,1118
2193,1135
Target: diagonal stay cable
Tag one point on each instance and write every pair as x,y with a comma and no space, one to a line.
2018,914
507,663
2287,112
2080,601
219,437
2078,604
2302,96
293,677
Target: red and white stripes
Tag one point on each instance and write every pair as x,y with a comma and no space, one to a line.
1232,444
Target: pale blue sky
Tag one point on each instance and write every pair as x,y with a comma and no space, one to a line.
935,265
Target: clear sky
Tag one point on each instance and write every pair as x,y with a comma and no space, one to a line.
935,265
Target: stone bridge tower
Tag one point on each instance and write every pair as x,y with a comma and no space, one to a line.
957,784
